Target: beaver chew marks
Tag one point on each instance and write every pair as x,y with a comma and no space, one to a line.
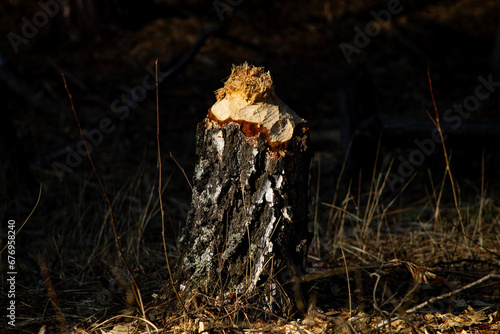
248,96
247,229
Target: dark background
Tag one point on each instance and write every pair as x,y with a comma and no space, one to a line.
104,49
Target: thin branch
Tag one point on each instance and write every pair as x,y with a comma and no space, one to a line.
110,206
117,116
160,193
190,186
451,293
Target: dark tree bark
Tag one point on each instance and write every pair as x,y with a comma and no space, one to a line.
246,232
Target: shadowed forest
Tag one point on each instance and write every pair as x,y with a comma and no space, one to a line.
405,228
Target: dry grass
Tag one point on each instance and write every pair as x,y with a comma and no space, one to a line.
378,263
420,267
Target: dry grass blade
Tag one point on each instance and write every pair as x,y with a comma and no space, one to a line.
98,327
51,293
27,218
445,152
348,282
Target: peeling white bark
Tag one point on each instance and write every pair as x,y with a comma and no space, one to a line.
266,247
249,212
219,142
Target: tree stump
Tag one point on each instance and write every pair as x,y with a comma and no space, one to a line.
246,232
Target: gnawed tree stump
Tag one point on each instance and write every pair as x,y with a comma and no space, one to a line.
246,232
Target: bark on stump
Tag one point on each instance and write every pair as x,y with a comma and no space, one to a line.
246,232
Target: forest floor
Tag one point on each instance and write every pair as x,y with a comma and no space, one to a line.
424,255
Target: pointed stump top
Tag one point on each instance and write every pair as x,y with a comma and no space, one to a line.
248,96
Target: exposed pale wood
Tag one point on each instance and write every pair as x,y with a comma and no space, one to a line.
246,231
248,95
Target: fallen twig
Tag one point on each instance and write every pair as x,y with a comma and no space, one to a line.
340,271
434,299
